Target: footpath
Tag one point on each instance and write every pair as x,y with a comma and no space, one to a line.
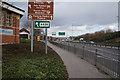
76,67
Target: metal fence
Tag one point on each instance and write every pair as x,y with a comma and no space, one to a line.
108,65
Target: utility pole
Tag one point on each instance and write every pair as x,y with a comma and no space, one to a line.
118,23
72,30
118,36
119,16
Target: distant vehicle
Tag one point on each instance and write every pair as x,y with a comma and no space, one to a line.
67,40
92,42
81,39
84,41
63,40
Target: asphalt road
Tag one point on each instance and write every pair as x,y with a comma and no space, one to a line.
105,52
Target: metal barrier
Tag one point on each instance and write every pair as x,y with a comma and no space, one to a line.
106,64
114,46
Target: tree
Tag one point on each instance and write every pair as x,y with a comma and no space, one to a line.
109,31
27,25
37,32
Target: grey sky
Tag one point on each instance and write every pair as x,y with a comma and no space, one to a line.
81,13
84,16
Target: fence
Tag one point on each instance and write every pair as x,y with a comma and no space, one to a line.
106,64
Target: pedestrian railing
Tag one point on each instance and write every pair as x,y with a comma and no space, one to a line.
109,65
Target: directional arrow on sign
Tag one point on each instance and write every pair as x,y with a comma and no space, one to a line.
29,5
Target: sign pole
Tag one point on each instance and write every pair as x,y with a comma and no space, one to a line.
46,41
32,37
43,9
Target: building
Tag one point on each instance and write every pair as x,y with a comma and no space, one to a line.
38,33
24,34
9,23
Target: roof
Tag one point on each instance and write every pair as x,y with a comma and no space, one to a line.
12,8
24,30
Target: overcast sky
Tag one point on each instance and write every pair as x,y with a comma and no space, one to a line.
84,17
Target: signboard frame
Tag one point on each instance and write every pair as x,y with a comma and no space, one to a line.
60,34
42,21
40,10
37,10
53,33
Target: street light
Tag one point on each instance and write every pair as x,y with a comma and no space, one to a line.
118,16
72,31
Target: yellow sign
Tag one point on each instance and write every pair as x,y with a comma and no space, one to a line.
38,38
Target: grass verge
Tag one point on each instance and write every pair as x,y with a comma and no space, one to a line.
25,40
19,62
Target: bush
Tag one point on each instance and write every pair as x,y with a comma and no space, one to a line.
25,40
19,63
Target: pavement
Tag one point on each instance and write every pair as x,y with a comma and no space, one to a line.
77,67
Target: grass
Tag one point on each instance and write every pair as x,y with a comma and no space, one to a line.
25,40
19,62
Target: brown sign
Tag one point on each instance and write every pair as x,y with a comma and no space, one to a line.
40,10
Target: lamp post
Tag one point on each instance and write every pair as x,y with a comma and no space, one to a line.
72,31
118,16
118,48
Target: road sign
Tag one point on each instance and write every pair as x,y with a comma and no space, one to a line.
41,24
54,33
61,33
40,10
73,37
46,30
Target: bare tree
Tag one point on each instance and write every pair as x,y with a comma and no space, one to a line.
37,32
27,25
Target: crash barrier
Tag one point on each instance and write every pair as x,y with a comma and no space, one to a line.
113,46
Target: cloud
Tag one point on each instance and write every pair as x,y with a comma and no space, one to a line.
84,16
85,13
79,28
68,0
112,27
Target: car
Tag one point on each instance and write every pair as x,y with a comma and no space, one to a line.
92,42
84,41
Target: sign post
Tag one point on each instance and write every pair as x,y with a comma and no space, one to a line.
40,10
46,41
41,24
62,33
32,37
53,33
